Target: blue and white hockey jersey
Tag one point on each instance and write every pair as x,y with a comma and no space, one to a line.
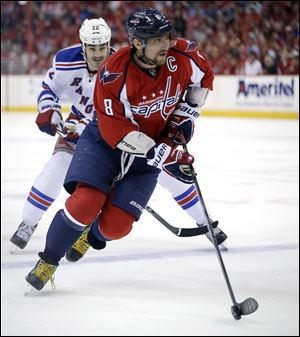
69,75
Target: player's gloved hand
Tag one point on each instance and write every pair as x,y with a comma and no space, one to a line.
174,162
181,125
49,116
73,129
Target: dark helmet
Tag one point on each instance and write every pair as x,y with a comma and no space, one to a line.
146,23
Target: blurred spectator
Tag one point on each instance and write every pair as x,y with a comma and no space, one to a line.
233,66
290,63
269,66
226,31
252,64
179,22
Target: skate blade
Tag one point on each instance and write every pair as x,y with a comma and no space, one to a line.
29,289
14,249
223,247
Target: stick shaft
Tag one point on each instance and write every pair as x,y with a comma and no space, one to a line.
211,231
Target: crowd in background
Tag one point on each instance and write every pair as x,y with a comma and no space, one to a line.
238,37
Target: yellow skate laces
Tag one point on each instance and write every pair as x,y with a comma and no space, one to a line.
45,272
82,244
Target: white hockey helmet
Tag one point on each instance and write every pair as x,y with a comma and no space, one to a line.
94,31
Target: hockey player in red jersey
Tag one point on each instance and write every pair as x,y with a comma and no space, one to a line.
118,159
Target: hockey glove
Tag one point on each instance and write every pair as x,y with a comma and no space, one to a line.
49,116
174,162
73,128
181,126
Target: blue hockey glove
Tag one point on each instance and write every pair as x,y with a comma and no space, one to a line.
181,125
174,162
181,129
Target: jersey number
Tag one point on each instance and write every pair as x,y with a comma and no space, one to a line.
108,106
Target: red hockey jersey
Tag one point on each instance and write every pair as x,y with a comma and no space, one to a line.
127,98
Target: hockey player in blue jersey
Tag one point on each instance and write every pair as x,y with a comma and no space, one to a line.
73,73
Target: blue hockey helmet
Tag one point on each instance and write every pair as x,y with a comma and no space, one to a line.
145,23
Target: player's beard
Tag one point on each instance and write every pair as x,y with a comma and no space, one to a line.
158,60
161,57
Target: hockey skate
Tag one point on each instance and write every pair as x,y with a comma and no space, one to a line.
79,248
41,274
22,235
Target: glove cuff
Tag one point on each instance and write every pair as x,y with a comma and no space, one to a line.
186,109
158,155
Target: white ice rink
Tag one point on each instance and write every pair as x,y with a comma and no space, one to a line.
153,283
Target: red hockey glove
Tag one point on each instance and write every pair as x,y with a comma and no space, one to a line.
49,116
174,162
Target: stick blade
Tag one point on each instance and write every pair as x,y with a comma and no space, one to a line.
249,306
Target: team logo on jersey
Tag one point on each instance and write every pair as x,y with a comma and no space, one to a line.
192,46
107,77
161,104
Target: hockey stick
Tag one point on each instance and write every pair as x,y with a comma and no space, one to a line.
181,232
248,306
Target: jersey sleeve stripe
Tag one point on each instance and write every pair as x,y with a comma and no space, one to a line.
67,69
47,94
69,64
197,73
123,96
190,57
125,102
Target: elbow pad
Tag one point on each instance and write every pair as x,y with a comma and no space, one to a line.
196,96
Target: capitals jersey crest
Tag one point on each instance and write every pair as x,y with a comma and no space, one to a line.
107,77
128,98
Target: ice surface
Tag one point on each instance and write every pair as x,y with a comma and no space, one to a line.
152,283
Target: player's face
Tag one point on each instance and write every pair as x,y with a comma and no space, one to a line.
157,49
96,55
